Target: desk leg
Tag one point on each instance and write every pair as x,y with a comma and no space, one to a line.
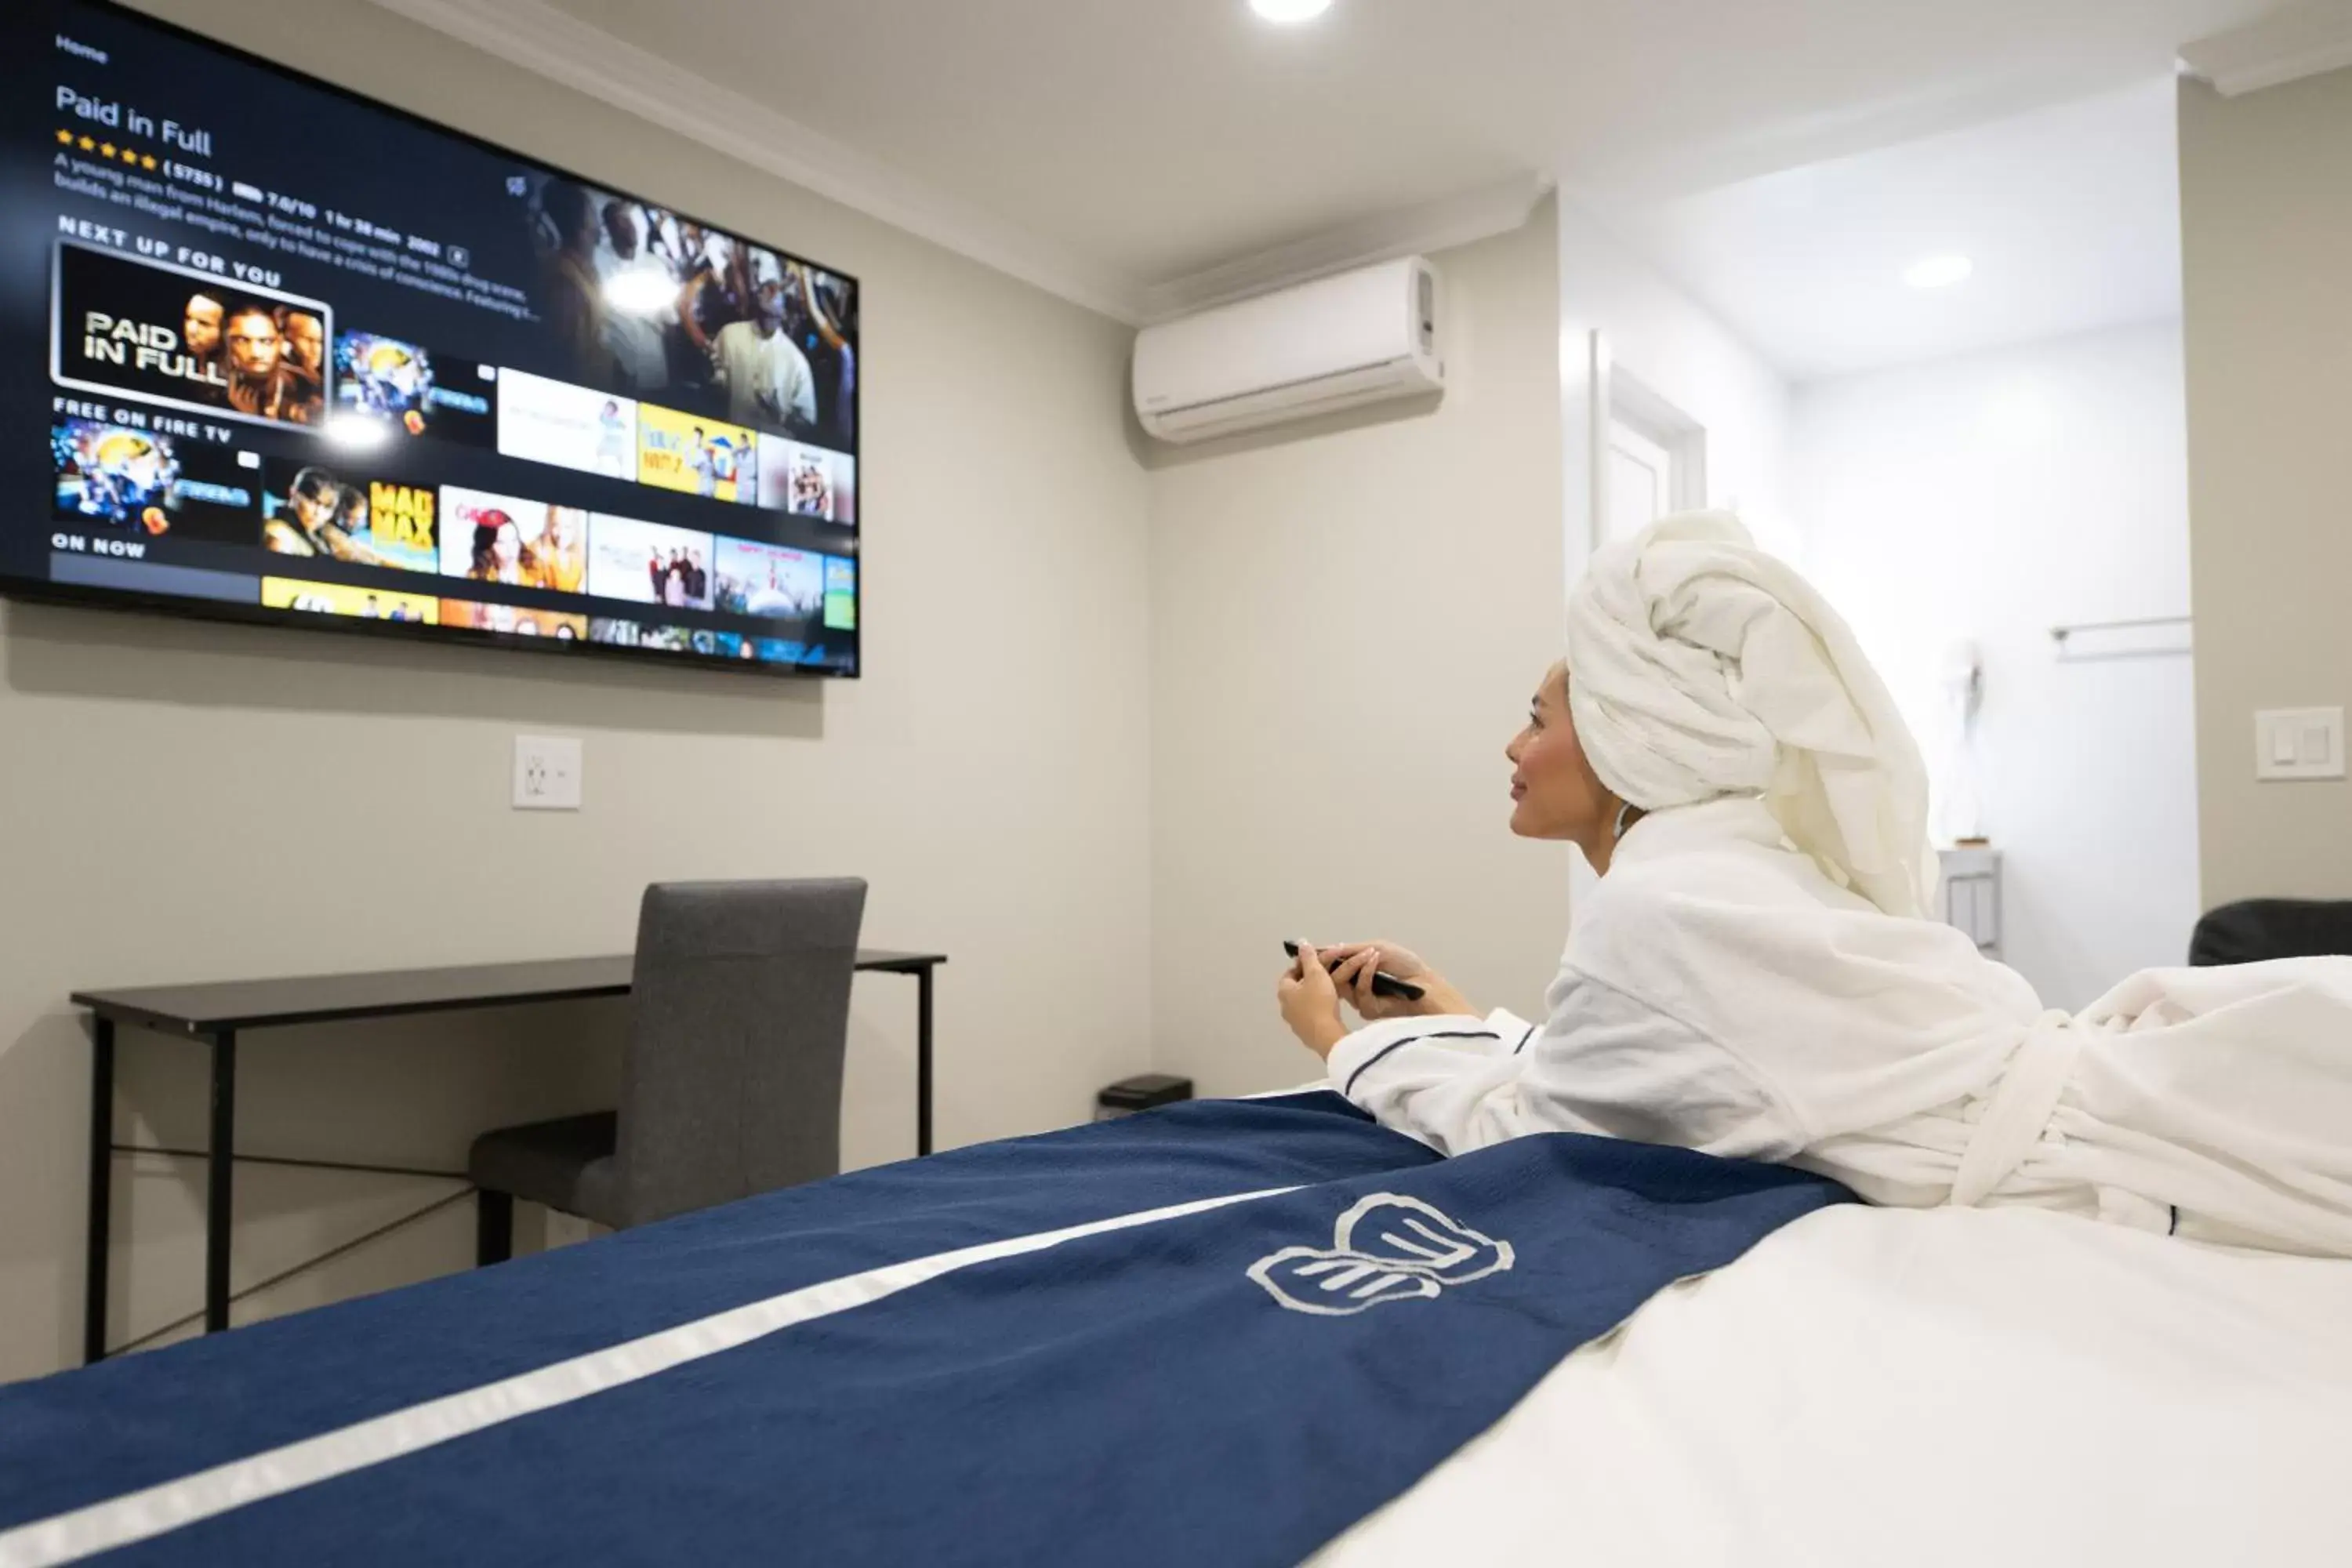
923,1060
101,1187
220,1165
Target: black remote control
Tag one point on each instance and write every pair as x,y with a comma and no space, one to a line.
1384,983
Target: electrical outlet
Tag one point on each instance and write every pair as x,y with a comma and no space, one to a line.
546,773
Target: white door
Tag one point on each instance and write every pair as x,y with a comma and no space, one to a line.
1649,456
1641,484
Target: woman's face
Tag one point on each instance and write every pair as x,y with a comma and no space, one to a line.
312,510
506,548
1554,791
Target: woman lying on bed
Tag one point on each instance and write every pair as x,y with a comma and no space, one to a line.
1757,974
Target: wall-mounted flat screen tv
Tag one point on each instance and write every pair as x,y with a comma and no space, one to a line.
277,353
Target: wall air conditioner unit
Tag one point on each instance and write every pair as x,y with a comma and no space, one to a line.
1361,337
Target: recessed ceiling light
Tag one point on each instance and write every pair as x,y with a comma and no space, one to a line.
1938,271
1289,11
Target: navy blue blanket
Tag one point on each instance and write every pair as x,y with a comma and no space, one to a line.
805,1377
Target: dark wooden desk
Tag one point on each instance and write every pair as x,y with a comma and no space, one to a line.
217,1012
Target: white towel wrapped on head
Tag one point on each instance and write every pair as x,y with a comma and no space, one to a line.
1698,666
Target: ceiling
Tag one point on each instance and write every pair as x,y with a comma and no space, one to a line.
2071,215
1127,151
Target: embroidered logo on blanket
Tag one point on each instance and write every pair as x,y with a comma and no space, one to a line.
1389,1247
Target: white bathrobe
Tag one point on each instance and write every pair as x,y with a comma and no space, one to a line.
1721,993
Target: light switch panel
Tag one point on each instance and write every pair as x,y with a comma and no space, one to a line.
2299,744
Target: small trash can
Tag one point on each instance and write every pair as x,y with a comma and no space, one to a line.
1129,1095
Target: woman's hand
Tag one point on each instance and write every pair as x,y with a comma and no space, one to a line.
1310,1003
1353,963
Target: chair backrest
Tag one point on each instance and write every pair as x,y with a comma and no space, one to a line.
730,1083
2259,929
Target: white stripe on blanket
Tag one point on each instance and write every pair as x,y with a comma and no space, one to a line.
154,1510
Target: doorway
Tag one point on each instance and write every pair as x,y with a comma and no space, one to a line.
1652,453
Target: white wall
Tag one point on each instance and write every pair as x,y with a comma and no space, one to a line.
1685,354
1347,624
189,802
1992,498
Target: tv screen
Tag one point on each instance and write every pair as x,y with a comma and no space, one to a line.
280,353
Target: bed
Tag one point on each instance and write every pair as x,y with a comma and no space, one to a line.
1946,1386
1237,1332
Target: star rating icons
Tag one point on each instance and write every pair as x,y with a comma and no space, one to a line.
130,155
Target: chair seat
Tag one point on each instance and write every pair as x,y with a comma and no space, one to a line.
568,1163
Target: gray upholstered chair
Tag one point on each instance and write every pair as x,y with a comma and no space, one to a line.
730,1082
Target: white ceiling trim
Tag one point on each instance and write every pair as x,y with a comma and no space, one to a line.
1434,225
542,39
2300,41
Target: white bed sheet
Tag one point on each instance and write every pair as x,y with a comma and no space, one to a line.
1984,1388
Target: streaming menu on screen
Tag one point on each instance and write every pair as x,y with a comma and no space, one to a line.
305,354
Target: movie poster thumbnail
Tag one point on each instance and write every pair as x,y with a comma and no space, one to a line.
219,346
649,563
768,580
545,421
483,534
346,514
636,634
840,593
408,389
693,317
493,538
342,599
700,457
779,650
115,476
513,621
558,559
809,481
676,639
618,633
